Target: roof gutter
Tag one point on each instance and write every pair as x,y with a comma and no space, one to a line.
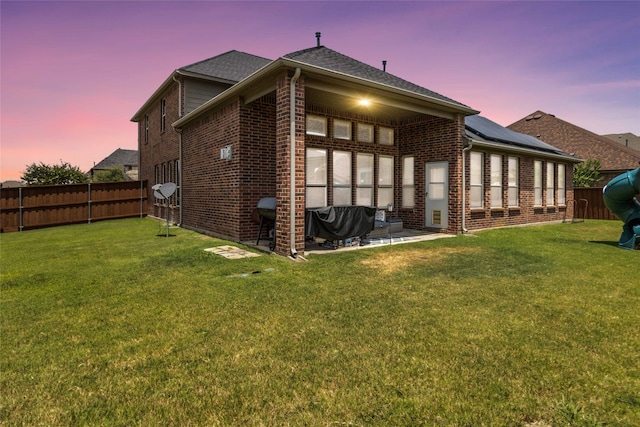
292,163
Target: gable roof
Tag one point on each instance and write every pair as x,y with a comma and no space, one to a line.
120,157
489,133
231,66
323,57
325,63
578,141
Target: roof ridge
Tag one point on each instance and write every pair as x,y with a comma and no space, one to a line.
376,74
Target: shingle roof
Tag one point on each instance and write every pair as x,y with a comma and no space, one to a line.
578,141
120,157
232,66
478,127
326,58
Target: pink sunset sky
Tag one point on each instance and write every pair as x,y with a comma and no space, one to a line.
74,73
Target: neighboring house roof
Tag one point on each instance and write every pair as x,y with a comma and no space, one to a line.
120,157
229,67
324,63
627,139
484,132
12,184
323,57
578,141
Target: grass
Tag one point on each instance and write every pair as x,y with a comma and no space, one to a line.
107,324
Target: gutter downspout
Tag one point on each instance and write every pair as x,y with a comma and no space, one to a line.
464,181
292,163
179,131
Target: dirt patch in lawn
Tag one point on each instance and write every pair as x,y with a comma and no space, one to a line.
393,262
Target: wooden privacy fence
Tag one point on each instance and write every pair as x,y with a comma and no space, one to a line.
42,206
590,205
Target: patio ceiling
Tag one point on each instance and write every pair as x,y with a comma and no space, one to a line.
386,105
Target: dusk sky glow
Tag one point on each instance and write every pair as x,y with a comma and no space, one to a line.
73,73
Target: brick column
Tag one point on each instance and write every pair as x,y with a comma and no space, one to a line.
283,127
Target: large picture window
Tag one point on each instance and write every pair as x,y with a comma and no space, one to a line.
476,188
364,183
408,182
550,184
316,178
341,178
496,181
513,183
385,181
537,183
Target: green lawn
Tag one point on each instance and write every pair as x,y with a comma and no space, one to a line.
108,324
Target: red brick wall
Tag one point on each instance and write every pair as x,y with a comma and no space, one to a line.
257,149
211,186
433,139
283,149
161,147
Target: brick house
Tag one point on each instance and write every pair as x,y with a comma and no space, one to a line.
122,158
615,158
317,128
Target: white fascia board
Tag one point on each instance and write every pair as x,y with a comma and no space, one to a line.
156,94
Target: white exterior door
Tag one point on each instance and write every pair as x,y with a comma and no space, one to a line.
437,194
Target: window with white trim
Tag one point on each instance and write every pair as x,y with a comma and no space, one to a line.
476,188
146,128
157,178
562,186
385,136
385,181
365,132
537,183
316,125
163,115
513,182
364,179
408,182
550,184
342,129
341,178
496,181
316,178
177,175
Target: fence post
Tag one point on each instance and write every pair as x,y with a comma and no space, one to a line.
20,208
89,200
141,198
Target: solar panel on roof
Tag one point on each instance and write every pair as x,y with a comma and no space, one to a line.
492,131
